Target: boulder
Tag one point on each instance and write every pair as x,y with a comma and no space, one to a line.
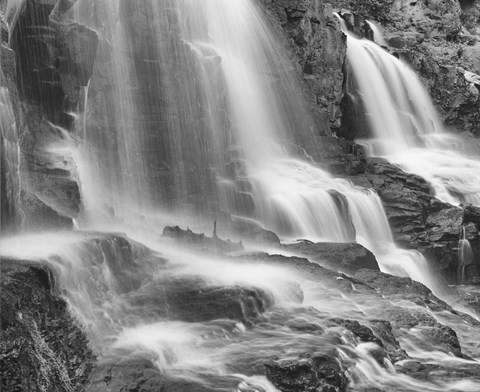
347,258
317,372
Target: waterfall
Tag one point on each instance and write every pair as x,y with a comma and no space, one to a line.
194,109
242,108
405,126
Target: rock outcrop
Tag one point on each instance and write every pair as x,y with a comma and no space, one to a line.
42,347
347,258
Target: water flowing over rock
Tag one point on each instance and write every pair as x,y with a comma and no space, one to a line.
340,202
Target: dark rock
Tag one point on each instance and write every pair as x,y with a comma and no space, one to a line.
42,346
472,214
318,372
347,258
362,332
383,331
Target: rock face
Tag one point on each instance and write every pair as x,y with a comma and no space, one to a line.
42,347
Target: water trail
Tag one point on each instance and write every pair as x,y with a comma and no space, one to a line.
405,126
465,256
377,34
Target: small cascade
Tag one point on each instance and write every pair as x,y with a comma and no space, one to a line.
465,256
377,34
405,126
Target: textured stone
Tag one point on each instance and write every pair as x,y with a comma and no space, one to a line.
347,258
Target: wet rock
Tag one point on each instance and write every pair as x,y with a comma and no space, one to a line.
42,347
347,258
362,332
192,299
41,216
317,372
383,330
247,229
472,214
201,241
397,287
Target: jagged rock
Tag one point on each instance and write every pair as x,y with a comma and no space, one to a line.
317,372
347,258
201,240
383,330
364,333
42,346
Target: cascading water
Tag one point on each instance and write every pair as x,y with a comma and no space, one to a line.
192,100
465,256
405,126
